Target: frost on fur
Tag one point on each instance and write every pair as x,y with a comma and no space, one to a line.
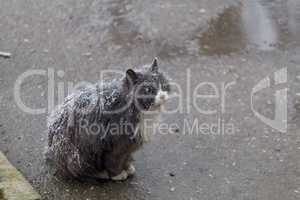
98,128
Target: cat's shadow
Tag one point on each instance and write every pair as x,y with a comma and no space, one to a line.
56,186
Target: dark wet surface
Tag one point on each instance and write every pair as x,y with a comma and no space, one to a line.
225,33
217,40
252,24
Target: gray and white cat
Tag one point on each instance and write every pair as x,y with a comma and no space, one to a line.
95,131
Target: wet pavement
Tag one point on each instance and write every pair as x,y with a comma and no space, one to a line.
228,41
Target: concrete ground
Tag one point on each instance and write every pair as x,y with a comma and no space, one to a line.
197,41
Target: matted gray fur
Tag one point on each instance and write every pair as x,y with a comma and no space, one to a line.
96,129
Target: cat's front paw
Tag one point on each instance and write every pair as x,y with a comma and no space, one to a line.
130,170
121,177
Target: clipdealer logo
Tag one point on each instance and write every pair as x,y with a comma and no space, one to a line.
280,120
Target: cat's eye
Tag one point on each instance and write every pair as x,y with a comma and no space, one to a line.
165,87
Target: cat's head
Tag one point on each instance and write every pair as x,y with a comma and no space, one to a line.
149,86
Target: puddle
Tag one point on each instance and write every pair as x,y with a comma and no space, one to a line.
263,25
122,32
252,24
224,34
125,34
293,24
259,28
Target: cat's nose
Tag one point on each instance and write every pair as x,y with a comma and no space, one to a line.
163,96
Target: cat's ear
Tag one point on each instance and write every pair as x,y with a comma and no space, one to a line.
154,65
131,76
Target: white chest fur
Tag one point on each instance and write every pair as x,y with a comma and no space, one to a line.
150,119
148,124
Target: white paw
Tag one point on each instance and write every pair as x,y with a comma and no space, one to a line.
131,170
121,177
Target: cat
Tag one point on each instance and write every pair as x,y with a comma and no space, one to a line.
96,130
